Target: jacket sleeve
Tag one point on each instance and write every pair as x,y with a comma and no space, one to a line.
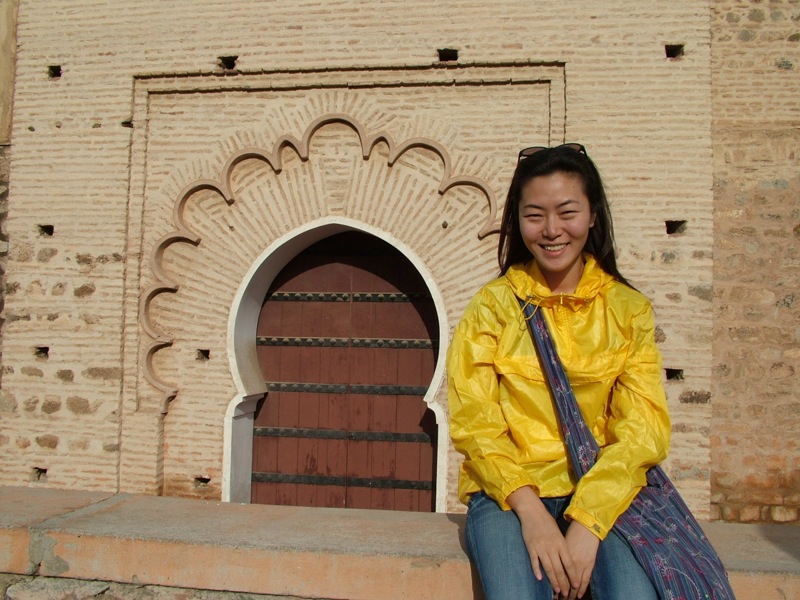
477,424
638,435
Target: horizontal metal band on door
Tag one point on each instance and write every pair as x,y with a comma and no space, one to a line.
339,434
343,388
317,342
347,297
366,482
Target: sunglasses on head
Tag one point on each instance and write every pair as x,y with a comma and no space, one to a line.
528,152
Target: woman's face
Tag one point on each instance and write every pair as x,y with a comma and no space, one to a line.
554,220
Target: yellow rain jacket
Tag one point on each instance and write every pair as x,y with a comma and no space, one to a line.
502,417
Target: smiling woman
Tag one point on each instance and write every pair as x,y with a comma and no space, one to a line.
533,529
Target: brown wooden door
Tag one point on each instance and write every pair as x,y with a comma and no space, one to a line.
347,342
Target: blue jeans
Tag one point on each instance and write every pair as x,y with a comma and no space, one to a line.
494,541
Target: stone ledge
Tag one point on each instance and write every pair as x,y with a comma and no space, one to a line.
299,552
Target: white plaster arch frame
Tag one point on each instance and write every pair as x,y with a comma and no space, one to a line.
243,316
244,313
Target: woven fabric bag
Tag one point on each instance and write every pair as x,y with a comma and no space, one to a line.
658,526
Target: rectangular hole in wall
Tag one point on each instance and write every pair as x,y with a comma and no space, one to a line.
47,230
674,227
673,51
674,374
42,352
54,71
447,54
227,62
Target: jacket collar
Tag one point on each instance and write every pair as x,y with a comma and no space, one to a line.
527,282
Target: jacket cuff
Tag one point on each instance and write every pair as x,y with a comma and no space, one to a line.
587,520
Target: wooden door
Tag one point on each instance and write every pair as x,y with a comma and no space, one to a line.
347,342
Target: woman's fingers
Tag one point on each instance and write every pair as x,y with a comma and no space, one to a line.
557,565
537,571
546,545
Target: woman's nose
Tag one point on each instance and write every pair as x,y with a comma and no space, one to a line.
552,227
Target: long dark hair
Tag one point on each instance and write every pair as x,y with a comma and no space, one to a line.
511,248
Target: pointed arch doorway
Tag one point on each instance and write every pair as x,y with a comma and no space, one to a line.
347,342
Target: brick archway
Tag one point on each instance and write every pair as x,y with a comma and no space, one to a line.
232,234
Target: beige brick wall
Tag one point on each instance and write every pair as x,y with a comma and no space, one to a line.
142,109
399,202
756,422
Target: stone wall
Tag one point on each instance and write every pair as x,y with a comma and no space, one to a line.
8,25
755,445
4,180
124,261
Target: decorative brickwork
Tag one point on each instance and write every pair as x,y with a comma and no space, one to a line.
223,187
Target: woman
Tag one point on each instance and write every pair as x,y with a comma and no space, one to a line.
533,531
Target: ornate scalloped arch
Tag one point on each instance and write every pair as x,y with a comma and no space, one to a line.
223,187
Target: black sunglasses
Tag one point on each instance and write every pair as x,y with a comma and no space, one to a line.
528,152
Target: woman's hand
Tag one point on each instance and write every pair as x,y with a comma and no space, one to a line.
546,545
582,545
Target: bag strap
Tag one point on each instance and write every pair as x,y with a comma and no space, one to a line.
581,445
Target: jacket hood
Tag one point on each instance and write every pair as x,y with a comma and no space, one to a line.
527,282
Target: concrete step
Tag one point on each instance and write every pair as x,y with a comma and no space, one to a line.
299,552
